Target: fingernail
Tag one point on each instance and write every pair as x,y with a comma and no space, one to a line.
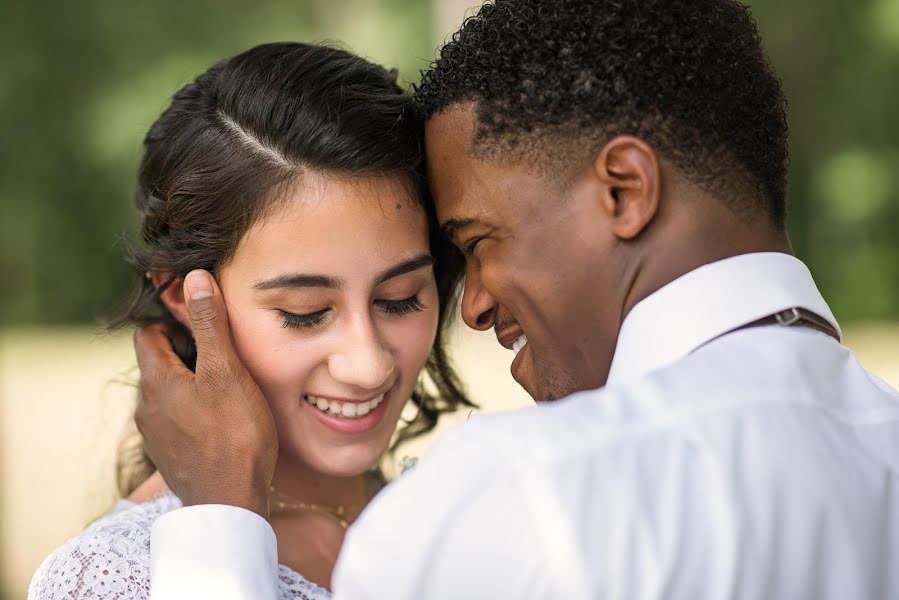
198,285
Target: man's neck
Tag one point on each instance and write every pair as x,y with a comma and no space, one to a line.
678,248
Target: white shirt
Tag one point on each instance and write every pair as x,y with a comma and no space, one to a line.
759,464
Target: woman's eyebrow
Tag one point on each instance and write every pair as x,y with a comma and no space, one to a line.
298,280
407,266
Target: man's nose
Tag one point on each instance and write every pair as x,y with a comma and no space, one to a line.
363,361
478,306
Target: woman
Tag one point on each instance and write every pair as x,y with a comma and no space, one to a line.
294,174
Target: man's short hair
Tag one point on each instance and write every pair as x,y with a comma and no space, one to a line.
552,77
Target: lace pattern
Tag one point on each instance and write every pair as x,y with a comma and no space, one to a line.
111,560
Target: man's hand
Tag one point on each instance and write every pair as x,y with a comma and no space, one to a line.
210,433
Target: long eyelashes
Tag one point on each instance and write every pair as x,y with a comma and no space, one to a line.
304,321
310,320
401,307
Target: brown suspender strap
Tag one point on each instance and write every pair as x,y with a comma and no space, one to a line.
791,317
797,317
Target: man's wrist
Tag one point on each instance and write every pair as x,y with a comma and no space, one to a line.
254,499
213,551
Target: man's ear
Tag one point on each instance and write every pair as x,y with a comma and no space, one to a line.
172,296
629,169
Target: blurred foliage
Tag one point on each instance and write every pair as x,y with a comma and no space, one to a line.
81,82
839,61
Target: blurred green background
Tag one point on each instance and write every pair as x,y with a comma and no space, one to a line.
81,82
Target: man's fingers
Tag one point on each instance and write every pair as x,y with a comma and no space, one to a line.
208,322
154,352
211,434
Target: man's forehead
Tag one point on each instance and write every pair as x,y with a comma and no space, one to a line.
453,127
452,171
465,185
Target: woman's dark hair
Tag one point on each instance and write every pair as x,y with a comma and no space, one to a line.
215,158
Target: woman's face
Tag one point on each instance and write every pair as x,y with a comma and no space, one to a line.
333,309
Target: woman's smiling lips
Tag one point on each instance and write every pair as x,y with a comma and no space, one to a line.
348,415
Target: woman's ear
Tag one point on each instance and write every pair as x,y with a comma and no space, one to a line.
172,296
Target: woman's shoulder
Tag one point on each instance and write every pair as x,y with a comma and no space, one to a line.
131,520
110,558
294,586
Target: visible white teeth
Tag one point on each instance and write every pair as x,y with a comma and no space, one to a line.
346,410
519,344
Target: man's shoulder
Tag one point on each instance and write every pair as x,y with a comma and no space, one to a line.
718,402
709,466
660,409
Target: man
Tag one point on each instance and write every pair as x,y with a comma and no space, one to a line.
615,173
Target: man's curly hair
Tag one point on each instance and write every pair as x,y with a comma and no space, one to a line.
687,76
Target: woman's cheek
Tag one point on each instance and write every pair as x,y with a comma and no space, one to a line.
264,349
417,338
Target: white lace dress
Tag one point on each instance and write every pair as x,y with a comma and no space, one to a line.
111,560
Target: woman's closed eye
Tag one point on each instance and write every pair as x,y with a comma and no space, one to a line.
401,307
405,306
303,321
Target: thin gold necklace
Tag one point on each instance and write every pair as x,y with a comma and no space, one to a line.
337,512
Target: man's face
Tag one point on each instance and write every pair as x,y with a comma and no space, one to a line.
541,261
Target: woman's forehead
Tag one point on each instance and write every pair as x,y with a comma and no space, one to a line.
338,225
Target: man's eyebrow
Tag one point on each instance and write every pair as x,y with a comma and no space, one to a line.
413,264
297,280
452,226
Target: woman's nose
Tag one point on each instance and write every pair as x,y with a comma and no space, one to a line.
363,361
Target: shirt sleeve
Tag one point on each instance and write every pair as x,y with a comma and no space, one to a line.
462,524
213,551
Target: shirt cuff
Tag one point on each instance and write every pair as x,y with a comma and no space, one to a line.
213,551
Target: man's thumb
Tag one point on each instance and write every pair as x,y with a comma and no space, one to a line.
208,317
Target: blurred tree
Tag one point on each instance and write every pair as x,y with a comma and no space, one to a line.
448,16
839,61
81,82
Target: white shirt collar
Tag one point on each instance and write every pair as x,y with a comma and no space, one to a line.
708,302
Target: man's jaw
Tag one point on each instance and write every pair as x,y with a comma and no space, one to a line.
541,386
